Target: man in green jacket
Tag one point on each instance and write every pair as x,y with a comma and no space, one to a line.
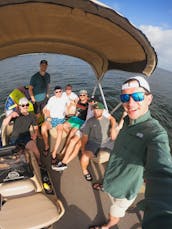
141,151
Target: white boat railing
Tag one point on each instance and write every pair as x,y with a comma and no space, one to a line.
116,108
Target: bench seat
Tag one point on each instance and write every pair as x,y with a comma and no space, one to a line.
16,188
34,211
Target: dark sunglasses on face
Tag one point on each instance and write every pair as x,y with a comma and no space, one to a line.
25,105
82,95
58,91
137,97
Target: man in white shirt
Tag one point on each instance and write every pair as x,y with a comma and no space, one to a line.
54,113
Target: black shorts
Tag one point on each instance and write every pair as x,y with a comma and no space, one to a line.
38,106
22,140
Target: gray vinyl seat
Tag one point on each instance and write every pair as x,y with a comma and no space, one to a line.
25,204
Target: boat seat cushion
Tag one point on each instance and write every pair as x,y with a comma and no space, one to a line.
16,188
34,211
102,157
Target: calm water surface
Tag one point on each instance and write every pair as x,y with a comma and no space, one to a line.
15,72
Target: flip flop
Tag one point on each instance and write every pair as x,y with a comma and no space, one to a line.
98,187
88,177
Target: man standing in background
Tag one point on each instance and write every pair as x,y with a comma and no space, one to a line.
39,88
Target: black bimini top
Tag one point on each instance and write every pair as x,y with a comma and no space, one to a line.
85,29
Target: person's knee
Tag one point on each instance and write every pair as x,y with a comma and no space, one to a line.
60,127
44,128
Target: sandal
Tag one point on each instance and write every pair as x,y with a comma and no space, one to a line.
98,187
45,152
88,177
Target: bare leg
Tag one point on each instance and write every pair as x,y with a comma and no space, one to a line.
72,150
58,140
44,130
71,134
67,129
31,145
85,159
69,138
112,222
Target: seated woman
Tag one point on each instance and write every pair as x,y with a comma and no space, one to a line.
73,98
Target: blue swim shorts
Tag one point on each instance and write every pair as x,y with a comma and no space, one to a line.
56,121
75,122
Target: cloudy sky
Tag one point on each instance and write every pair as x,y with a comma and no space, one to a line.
154,18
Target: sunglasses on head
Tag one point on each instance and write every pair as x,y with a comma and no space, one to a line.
25,105
58,91
137,97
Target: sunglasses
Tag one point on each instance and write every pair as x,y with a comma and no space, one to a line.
82,95
58,91
137,97
25,105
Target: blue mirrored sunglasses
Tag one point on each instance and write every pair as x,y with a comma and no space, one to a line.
137,97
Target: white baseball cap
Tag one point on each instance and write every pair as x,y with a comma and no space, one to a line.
84,92
23,100
141,81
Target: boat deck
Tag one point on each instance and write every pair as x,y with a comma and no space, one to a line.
83,205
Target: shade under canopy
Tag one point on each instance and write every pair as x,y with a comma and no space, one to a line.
80,28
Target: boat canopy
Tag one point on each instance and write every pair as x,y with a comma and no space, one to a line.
81,28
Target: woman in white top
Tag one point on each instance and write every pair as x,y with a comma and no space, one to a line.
72,97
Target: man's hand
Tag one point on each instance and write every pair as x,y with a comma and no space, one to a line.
113,133
34,136
14,114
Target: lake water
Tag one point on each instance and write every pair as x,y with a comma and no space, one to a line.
15,72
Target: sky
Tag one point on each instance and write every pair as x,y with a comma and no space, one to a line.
154,18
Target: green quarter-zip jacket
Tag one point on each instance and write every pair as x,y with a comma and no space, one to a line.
141,150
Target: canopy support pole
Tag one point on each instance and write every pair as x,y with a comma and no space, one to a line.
116,108
98,84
